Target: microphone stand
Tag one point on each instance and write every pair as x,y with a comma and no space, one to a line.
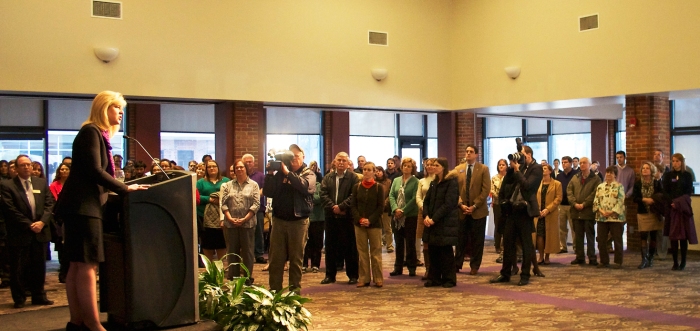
149,154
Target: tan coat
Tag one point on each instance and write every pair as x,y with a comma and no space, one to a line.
480,187
551,221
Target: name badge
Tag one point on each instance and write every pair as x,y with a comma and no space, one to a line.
36,191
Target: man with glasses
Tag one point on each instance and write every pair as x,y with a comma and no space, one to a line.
291,190
27,206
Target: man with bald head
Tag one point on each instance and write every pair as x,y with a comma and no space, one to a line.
581,193
336,197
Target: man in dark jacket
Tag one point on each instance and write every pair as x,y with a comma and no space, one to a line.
27,204
336,196
524,179
291,190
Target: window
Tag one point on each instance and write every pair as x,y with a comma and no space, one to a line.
685,133
500,138
621,134
432,136
187,132
9,149
372,134
571,138
549,139
284,128
184,147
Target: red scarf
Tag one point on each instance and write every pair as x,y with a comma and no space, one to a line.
368,184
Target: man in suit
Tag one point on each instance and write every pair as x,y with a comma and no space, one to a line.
27,204
526,178
474,187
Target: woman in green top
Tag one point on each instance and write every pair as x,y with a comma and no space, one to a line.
404,211
212,233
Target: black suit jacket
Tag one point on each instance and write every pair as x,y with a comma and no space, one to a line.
85,190
18,214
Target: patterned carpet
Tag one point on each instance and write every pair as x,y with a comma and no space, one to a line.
569,297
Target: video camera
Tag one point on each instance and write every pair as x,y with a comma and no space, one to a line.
283,156
517,156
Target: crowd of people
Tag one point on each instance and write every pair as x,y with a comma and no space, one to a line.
438,215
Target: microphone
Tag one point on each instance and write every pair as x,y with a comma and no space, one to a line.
149,154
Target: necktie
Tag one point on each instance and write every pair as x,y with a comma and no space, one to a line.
469,180
30,198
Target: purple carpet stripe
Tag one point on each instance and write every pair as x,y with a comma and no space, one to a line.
501,291
632,313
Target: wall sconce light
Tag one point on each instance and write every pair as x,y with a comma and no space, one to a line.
512,72
379,73
106,54
633,122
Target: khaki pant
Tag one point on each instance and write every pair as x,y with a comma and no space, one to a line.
373,237
386,229
287,242
564,219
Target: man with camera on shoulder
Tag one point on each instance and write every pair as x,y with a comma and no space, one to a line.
518,199
291,185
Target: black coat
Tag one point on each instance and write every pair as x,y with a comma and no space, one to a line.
637,195
18,215
85,190
528,178
440,204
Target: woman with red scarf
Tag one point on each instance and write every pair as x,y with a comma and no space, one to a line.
367,207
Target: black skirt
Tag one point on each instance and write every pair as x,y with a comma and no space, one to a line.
213,239
83,239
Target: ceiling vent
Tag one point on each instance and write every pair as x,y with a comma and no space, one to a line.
589,22
378,38
107,9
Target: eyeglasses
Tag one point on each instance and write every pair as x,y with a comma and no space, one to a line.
212,166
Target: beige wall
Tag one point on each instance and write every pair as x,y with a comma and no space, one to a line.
299,51
642,46
442,54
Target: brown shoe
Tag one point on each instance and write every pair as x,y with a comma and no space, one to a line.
362,284
473,272
378,284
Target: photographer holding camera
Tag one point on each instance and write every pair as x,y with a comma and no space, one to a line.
291,185
518,200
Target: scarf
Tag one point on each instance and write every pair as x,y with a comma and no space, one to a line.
647,188
110,167
368,184
400,204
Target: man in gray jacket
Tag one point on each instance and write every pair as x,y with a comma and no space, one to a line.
581,193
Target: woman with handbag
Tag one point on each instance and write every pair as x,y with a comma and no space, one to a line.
648,222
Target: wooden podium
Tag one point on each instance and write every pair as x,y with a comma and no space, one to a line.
149,277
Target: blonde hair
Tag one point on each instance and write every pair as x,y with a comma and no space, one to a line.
98,111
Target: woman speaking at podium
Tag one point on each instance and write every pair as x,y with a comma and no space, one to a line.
81,203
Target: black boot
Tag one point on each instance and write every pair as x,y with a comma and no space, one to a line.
684,252
645,261
675,259
650,257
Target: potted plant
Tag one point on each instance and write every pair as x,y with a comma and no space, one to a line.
236,306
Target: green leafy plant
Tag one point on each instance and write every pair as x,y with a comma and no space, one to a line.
237,306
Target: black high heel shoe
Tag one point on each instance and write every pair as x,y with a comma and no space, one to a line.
539,274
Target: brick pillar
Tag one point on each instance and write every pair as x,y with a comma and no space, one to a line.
599,143
336,134
249,132
611,142
144,125
651,118
327,141
224,134
239,129
447,140
469,131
